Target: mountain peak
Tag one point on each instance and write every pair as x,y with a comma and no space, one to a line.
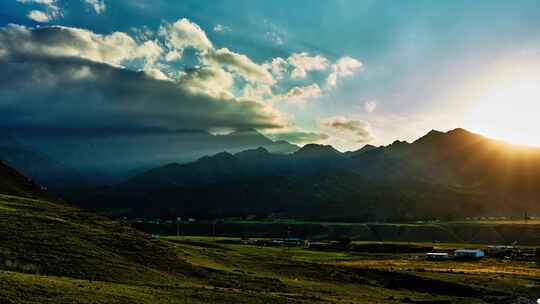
221,156
316,150
431,135
434,132
260,151
398,143
461,131
365,148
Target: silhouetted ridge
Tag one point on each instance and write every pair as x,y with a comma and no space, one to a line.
13,182
253,153
441,175
431,135
358,152
315,150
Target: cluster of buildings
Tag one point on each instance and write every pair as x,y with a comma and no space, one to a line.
458,254
497,251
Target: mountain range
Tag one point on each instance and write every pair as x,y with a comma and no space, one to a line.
62,160
455,174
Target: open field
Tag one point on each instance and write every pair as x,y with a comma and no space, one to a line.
369,278
53,253
503,232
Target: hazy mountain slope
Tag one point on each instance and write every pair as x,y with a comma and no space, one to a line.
226,167
44,170
113,158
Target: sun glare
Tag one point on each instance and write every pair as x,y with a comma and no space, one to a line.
509,111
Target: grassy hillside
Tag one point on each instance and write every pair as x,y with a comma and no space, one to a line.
53,253
43,237
12,182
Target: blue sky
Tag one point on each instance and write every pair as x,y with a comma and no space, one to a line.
400,68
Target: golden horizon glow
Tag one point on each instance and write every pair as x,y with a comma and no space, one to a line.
508,109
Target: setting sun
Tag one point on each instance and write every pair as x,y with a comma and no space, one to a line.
508,110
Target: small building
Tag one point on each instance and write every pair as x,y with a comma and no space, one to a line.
437,256
469,253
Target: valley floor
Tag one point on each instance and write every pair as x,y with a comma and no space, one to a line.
256,274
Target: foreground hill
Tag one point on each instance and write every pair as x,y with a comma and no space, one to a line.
41,235
441,175
53,253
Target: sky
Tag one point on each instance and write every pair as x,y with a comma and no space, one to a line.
345,73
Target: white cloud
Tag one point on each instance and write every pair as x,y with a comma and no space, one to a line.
52,11
370,106
209,80
39,16
359,129
97,5
184,34
274,38
173,55
277,67
300,94
240,64
303,63
297,136
344,67
220,28
60,41
217,74
151,51
66,73
156,74
258,92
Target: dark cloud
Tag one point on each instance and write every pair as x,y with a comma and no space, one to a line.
361,129
299,137
49,90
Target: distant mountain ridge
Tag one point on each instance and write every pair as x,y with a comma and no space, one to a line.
61,161
440,175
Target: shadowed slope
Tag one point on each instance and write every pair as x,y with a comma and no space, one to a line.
40,235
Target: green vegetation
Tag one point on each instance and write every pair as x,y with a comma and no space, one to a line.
487,232
53,253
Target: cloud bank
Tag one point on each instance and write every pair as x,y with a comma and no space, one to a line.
56,77
97,5
361,130
299,137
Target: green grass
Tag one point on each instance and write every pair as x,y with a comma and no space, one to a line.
332,275
53,253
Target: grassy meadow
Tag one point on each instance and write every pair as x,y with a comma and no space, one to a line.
53,253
